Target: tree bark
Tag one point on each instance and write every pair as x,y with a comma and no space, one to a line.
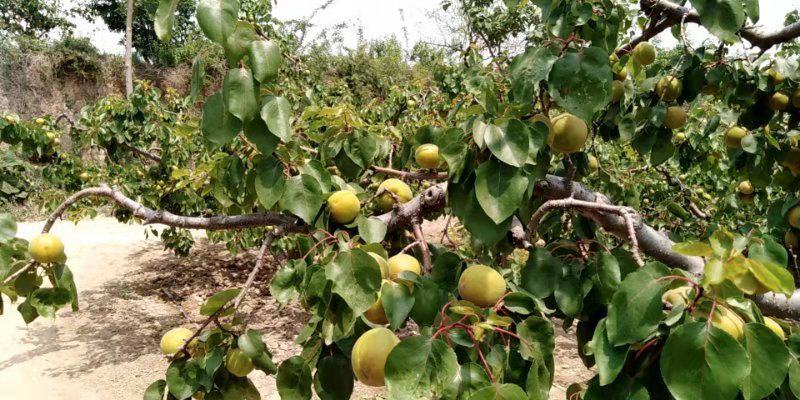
129,49
671,14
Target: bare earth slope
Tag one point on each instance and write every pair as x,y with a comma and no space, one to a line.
131,291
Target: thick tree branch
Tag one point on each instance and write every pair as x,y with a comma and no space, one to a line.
414,176
674,14
431,201
150,216
650,242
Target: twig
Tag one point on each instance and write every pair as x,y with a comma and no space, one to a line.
423,247
418,176
625,212
259,263
410,246
18,272
672,180
144,154
445,233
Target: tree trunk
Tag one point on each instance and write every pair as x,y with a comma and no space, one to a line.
129,49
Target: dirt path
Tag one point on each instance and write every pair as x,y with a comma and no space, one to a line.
131,291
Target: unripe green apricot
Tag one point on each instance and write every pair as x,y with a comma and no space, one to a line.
675,117
568,135
669,88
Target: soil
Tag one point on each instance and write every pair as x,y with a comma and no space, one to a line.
130,292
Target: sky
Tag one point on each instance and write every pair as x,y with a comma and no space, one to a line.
384,18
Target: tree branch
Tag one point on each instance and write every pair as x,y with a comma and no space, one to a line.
423,248
418,176
259,263
150,216
431,201
674,14
675,181
146,154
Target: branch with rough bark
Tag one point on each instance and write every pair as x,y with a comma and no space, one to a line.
432,201
412,176
626,213
671,14
150,216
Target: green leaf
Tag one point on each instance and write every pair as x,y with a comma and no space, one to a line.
608,276
356,277
636,308
484,231
316,169
698,249
270,182
581,82
218,125
397,302
663,148
218,300
541,273
217,18
239,93
8,227
47,301
499,189
429,299
302,197
609,359
371,229
284,285
539,339
505,391
774,277
277,112
164,19
723,18
294,379
794,377
510,143
769,361
334,378
253,346
65,280
183,378
156,390
751,6
198,76
569,295
27,311
420,367
700,364
527,69
256,132
768,251
265,58
237,44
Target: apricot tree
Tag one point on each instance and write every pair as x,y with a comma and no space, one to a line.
509,159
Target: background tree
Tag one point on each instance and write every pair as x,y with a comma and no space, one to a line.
33,18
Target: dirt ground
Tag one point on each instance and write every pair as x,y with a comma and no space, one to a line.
130,292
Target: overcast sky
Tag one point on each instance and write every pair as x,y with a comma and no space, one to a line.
383,18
